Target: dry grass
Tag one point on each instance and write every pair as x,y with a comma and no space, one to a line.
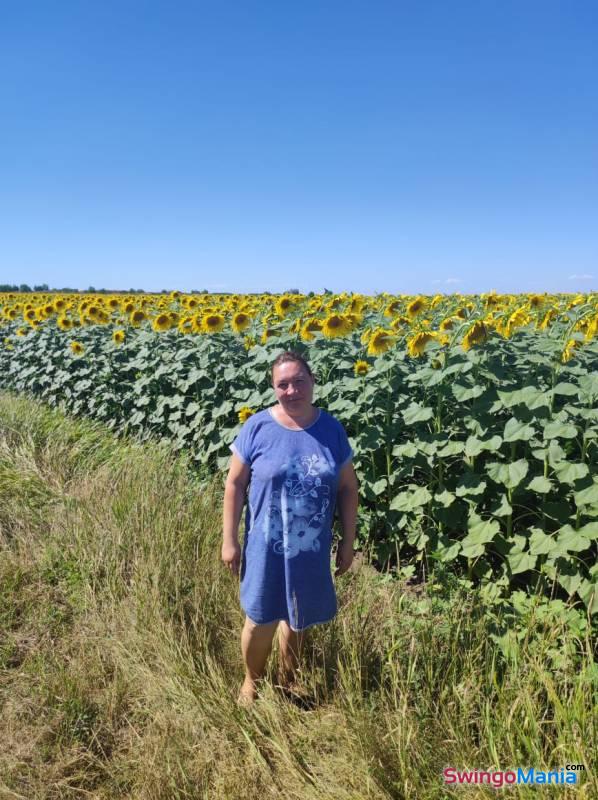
120,657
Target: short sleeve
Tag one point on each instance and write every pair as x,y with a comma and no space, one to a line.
241,446
345,450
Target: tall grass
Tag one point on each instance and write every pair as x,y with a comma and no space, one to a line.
120,653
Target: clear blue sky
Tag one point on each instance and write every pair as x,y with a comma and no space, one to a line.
247,146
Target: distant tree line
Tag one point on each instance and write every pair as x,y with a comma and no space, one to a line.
23,288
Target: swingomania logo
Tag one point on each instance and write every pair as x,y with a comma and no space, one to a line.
518,776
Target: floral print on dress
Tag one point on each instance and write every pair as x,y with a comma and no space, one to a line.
296,514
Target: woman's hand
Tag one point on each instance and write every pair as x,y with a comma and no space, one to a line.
231,556
344,557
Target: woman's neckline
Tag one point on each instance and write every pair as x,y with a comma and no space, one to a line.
297,430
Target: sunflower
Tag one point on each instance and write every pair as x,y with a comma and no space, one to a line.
22,331
185,325
283,305
240,321
137,317
64,323
212,323
416,306
536,300
592,329
30,315
335,325
399,322
353,320
77,348
392,308
477,334
447,324
162,323
118,337
517,319
128,307
245,413
416,346
568,351
59,304
361,368
380,341
267,334
548,318
113,303
356,305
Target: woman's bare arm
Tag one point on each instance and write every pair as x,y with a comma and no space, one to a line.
234,498
347,500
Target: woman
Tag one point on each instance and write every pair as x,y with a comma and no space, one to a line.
296,459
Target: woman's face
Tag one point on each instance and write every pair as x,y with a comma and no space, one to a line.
294,387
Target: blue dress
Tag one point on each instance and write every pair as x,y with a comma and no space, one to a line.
285,567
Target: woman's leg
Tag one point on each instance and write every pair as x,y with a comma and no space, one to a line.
291,646
256,643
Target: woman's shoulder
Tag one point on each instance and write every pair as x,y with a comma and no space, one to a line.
330,420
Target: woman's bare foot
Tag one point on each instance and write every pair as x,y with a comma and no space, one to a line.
247,694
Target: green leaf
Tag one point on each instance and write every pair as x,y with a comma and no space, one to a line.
409,501
446,498
559,430
481,531
463,393
510,475
588,496
588,591
568,472
475,446
540,543
380,486
502,509
571,540
446,550
517,431
416,413
470,484
540,484
569,389
407,450
450,449
521,562
568,575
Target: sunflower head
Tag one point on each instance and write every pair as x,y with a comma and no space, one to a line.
335,325
245,413
477,334
416,345
361,367
380,341
416,306
118,337
568,350
283,305
77,348
64,323
240,321
137,317
212,323
162,323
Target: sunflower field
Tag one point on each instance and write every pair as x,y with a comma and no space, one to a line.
474,419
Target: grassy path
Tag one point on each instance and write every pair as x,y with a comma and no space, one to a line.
120,659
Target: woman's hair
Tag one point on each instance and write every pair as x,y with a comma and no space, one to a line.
289,355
